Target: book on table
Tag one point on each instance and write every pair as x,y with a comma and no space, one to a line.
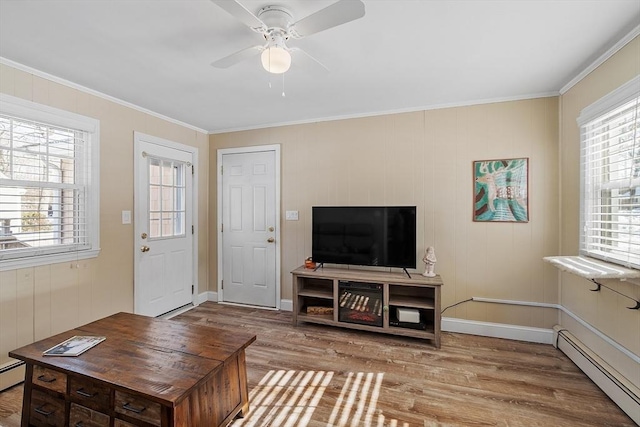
74,346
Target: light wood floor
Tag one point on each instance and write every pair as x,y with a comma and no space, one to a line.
316,375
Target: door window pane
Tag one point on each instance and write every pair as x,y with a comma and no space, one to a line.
166,198
154,224
154,171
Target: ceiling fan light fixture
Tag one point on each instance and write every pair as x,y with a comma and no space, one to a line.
276,60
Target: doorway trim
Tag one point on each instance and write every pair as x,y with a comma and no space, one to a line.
241,150
139,136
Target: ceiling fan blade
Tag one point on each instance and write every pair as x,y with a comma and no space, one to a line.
239,56
339,13
242,14
307,61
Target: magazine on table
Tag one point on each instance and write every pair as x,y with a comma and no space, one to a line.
74,346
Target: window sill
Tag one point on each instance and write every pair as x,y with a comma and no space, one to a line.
14,264
591,268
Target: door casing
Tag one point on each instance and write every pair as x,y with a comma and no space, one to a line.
240,150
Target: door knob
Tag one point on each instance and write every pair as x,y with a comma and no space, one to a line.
271,240
145,249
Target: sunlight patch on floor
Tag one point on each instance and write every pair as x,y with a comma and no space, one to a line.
289,399
357,402
286,398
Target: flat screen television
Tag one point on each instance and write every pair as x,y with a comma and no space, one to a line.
382,236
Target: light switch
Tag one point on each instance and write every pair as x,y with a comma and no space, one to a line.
291,215
126,217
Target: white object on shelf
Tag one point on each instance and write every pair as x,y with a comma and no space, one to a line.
430,262
409,315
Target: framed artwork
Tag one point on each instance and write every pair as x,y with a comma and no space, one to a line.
501,190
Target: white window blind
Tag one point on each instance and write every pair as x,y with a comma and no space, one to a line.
48,206
610,160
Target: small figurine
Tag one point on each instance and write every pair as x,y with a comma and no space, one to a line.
430,262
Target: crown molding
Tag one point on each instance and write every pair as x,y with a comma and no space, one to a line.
93,92
603,58
608,54
389,112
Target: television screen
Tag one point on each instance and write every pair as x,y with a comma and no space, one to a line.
365,235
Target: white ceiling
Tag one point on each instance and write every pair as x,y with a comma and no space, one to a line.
402,55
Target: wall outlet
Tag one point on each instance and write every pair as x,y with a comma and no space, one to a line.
291,215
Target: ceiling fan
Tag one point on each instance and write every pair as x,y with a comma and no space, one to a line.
277,26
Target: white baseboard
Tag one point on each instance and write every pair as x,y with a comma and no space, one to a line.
498,330
207,296
285,304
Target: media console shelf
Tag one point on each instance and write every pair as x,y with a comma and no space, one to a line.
368,300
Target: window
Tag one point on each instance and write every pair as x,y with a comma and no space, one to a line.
610,159
48,184
166,198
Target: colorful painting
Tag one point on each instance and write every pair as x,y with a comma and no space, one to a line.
501,190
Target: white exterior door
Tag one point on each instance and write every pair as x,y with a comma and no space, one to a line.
163,226
249,228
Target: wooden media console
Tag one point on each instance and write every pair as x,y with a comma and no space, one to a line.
368,300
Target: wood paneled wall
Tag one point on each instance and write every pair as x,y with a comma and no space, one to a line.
425,159
37,302
605,310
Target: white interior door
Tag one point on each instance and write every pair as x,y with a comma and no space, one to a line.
249,228
163,227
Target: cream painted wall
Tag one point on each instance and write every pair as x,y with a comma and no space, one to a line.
425,159
605,310
38,302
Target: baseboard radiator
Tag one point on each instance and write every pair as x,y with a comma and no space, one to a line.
625,394
13,364
11,373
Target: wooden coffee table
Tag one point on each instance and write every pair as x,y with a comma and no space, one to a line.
148,372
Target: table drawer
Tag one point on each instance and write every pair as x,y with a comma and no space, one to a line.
90,394
119,423
79,416
138,407
48,378
46,410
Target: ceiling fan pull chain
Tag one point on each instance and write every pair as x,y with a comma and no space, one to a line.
283,95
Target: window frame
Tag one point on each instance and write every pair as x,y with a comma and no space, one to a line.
626,93
28,110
